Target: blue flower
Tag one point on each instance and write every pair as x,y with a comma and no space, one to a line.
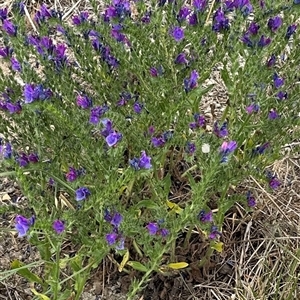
144,162
23,224
9,28
220,22
191,83
113,138
82,193
177,33
58,226
275,23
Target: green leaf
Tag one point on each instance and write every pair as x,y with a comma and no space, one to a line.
148,204
137,266
24,272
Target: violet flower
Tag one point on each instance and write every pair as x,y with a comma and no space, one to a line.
144,162
220,21
191,83
177,33
252,108
113,138
6,151
264,41
220,131
253,28
6,52
273,114
290,31
23,224
84,101
250,199
205,217
278,81
275,23
190,148
214,233
59,226
181,59
200,5
9,28
15,65
82,193
271,61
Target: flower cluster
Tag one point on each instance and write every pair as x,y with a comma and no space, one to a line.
23,224
24,159
115,237
144,162
154,228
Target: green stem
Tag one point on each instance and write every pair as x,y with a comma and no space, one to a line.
207,256
188,237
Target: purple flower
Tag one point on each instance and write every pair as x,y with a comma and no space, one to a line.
275,23
200,5
263,41
14,108
227,148
163,232
146,17
181,59
15,65
137,107
22,159
3,14
33,157
220,22
96,113
58,226
271,61
81,18
152,228
290,31
252,108
116,220
144,162
199,121
274,183
111,238
205,217
253,28
155,72
214,233
221,131
84,101
6,151
177,33
190,148
183,13
273,114
32,93
113,138
71,175
82,193
246,40
281,95
107,123
278,81
250,199
23,224
191,83
261,149
9,28
6,51
158,141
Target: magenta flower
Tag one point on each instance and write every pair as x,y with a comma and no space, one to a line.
252,108
228,147
71,175
23,224
83,101
177,33
58,226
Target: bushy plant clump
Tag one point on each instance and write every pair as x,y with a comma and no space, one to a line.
101,123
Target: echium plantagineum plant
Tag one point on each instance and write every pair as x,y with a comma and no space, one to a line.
99,114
